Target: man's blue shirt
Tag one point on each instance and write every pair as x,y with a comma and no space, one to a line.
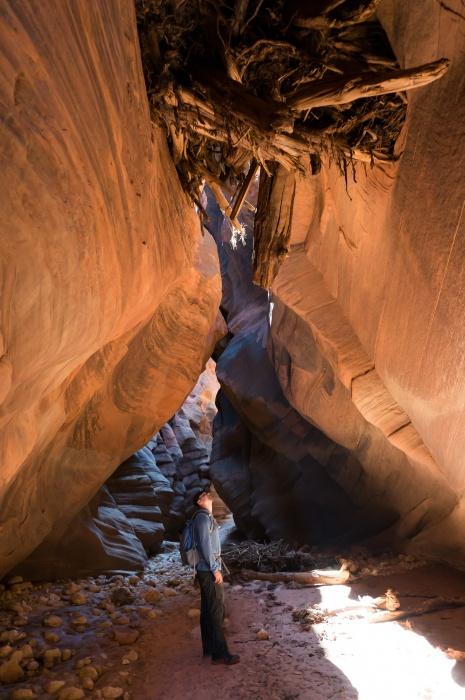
207,541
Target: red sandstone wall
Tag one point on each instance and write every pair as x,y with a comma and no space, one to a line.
379,281
109,290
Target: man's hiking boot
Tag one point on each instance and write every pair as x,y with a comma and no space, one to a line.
228,660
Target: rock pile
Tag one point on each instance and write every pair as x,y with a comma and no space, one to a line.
76,639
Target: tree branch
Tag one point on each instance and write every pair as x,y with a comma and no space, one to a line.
344,17
242,194
339,91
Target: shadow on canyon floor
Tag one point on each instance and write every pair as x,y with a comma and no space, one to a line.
290,665
139,635
418,659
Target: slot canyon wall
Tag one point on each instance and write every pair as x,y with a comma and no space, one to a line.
342,416
109,288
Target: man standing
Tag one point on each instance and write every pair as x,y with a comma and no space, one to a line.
209,575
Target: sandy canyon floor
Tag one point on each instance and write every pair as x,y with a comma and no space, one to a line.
138,638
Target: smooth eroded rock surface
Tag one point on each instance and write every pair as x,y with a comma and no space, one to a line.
109,288
368,321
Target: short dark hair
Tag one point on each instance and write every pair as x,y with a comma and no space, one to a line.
197,495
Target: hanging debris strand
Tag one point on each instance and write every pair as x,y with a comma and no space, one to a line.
271,83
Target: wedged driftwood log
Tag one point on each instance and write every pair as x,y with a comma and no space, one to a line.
221,190
307,578
222,201
341,91
272,223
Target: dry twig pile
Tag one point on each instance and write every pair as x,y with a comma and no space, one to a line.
276,84
266,556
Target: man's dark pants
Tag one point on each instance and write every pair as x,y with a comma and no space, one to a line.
212,616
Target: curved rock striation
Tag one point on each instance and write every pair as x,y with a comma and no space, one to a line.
99,539
367,326
144,495
146,499
110,289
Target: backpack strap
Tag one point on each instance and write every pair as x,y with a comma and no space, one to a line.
194,568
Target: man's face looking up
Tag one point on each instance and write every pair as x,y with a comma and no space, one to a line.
204,500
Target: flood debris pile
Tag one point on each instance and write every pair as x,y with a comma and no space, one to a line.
277,562
273,84
266,556
280,556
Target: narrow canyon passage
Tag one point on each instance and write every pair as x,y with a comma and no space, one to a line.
232,259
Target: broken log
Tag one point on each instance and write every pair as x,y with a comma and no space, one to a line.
272,231
221,200
243,190
358,14
430,606
315,614
222,189
307,578
339,91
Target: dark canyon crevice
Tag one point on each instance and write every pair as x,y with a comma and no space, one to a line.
277,472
